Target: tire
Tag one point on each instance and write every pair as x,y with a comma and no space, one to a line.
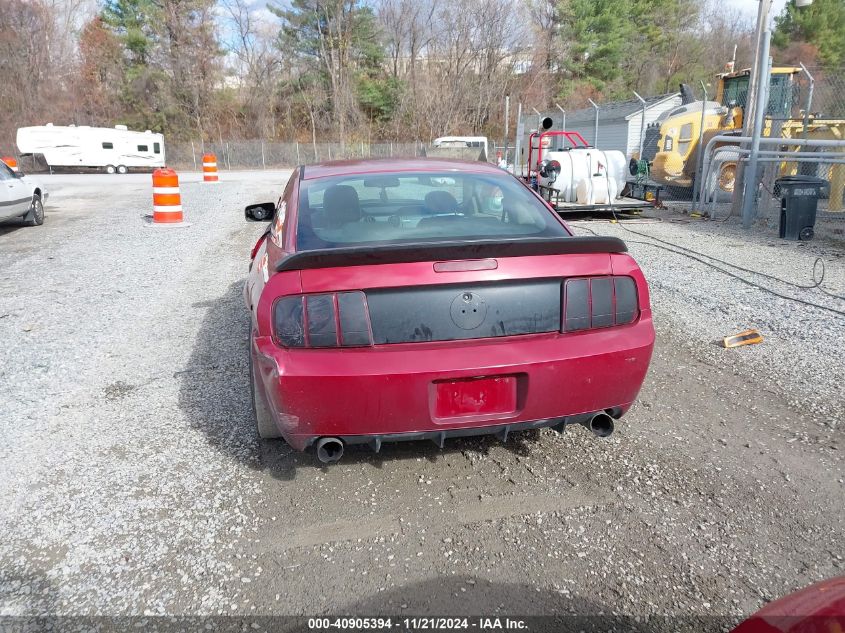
264,424
35,216
110,169
723,183
121,169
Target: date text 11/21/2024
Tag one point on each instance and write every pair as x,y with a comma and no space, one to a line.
414,624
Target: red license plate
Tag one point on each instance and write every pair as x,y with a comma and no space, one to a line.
475,396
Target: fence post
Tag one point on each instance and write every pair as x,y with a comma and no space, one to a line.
298,159
228,157
642,122
507,126
809,99
696,188
194,155
596,127
263,162
391,149
517,143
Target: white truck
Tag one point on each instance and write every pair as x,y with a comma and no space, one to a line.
72,147
475,146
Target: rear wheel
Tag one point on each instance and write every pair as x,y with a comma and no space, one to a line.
35,217
722,183
264,423
727,178
121,169
110,169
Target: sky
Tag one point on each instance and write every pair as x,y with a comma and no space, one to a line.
749,7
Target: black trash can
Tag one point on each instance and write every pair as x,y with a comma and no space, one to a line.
799,200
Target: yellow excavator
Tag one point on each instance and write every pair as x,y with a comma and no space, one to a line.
672,143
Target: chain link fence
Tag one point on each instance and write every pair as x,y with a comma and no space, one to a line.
670,149
257,154
802,106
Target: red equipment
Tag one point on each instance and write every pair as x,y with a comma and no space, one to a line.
574,138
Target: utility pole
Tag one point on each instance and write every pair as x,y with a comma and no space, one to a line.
763,17
749,194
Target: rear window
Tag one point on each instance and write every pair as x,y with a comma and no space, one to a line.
401,208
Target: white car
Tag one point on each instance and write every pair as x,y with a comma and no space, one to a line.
21,197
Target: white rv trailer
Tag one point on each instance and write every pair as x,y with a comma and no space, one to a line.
113,150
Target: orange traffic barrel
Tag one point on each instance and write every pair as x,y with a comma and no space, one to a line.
209,168
11,162
167,202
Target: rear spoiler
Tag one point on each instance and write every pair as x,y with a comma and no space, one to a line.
438,251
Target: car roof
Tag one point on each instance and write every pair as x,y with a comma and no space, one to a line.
392,165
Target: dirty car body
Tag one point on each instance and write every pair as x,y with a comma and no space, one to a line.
428,299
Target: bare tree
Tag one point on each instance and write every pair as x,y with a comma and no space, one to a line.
256,64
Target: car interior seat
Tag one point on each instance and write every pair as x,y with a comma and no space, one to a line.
340,206
438,202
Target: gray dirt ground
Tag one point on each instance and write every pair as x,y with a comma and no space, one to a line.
131,481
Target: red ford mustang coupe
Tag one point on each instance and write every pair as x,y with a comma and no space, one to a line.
428,299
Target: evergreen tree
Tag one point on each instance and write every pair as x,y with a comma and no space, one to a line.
821,24
339,39
595,32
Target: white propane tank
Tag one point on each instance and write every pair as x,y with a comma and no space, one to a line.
579,164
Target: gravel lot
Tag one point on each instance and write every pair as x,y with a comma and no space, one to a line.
132,483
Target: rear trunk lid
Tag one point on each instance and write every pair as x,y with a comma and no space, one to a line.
443,292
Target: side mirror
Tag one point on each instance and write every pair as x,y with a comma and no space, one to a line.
260,212
19,174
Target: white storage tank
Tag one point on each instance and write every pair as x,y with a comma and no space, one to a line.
598,175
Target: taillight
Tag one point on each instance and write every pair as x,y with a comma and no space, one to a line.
335,319
257,246
597,302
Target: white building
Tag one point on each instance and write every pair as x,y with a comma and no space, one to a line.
620,122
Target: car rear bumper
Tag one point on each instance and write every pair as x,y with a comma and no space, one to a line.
389,392
439,437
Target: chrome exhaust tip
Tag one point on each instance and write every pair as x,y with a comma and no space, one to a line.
601,424
329,449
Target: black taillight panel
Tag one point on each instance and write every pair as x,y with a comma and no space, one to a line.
322,320
626,300
599,302
320,315
577,305
354,325
288,321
